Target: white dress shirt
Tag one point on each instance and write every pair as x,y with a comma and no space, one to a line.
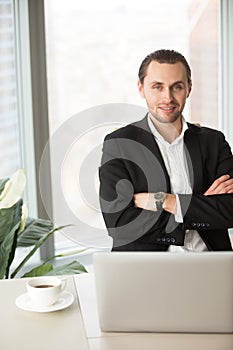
176,164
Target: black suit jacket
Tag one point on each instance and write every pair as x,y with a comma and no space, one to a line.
132,163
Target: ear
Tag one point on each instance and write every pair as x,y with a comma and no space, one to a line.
140,89
190,89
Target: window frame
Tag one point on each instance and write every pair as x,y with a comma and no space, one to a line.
33,106
24,92
226,75
226,78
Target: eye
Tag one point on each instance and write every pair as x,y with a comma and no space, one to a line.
178,87
157,87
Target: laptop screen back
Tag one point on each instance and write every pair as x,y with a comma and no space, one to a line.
165,292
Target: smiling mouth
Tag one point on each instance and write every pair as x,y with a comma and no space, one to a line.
167,109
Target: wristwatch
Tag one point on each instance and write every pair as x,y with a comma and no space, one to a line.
159,199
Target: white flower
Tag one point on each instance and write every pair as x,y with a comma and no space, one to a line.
13,189
23,218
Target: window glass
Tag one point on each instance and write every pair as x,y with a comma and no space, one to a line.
9,126
94,50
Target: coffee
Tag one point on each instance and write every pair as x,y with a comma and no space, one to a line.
45,290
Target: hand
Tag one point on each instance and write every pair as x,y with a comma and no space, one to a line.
147,201
224,184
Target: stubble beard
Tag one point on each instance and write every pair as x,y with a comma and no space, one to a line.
162,119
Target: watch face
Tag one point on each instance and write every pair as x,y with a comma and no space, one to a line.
159,195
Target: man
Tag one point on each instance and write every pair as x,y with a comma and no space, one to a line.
166,184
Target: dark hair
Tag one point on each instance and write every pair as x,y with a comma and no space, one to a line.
163,56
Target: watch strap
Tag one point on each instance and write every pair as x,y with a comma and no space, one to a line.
159,205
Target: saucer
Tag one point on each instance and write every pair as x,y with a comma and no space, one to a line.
24,302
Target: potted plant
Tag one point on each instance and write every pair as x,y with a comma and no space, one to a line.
16,229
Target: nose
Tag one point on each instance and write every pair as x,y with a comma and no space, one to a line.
167,95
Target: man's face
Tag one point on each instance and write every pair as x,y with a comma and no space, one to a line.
165,89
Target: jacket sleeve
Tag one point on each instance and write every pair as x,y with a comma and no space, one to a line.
214,211
207,212
125,222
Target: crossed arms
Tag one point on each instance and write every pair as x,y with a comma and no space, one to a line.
124,195
223,185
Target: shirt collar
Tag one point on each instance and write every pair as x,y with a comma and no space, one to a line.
159,137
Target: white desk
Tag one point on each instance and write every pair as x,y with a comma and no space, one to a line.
25,330
65,329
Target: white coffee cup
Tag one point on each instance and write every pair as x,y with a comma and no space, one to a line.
45,291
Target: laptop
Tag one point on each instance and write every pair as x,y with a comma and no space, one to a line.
164,292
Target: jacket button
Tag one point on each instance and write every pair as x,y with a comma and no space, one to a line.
198,224
193,224
173,240
163,239
158,239
168,240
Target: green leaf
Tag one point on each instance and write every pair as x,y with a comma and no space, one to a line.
8,244
7,219
17,218
5,250
39,270
33,231
2,184
71,268
37,245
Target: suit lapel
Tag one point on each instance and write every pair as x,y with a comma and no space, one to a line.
193,156
145,137
192,151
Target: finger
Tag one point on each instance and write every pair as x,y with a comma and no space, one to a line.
218,182
228,189
223,187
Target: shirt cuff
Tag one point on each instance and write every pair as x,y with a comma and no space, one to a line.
178,216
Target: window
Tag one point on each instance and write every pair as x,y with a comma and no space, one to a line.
9,123
204,58
16,127
93,52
